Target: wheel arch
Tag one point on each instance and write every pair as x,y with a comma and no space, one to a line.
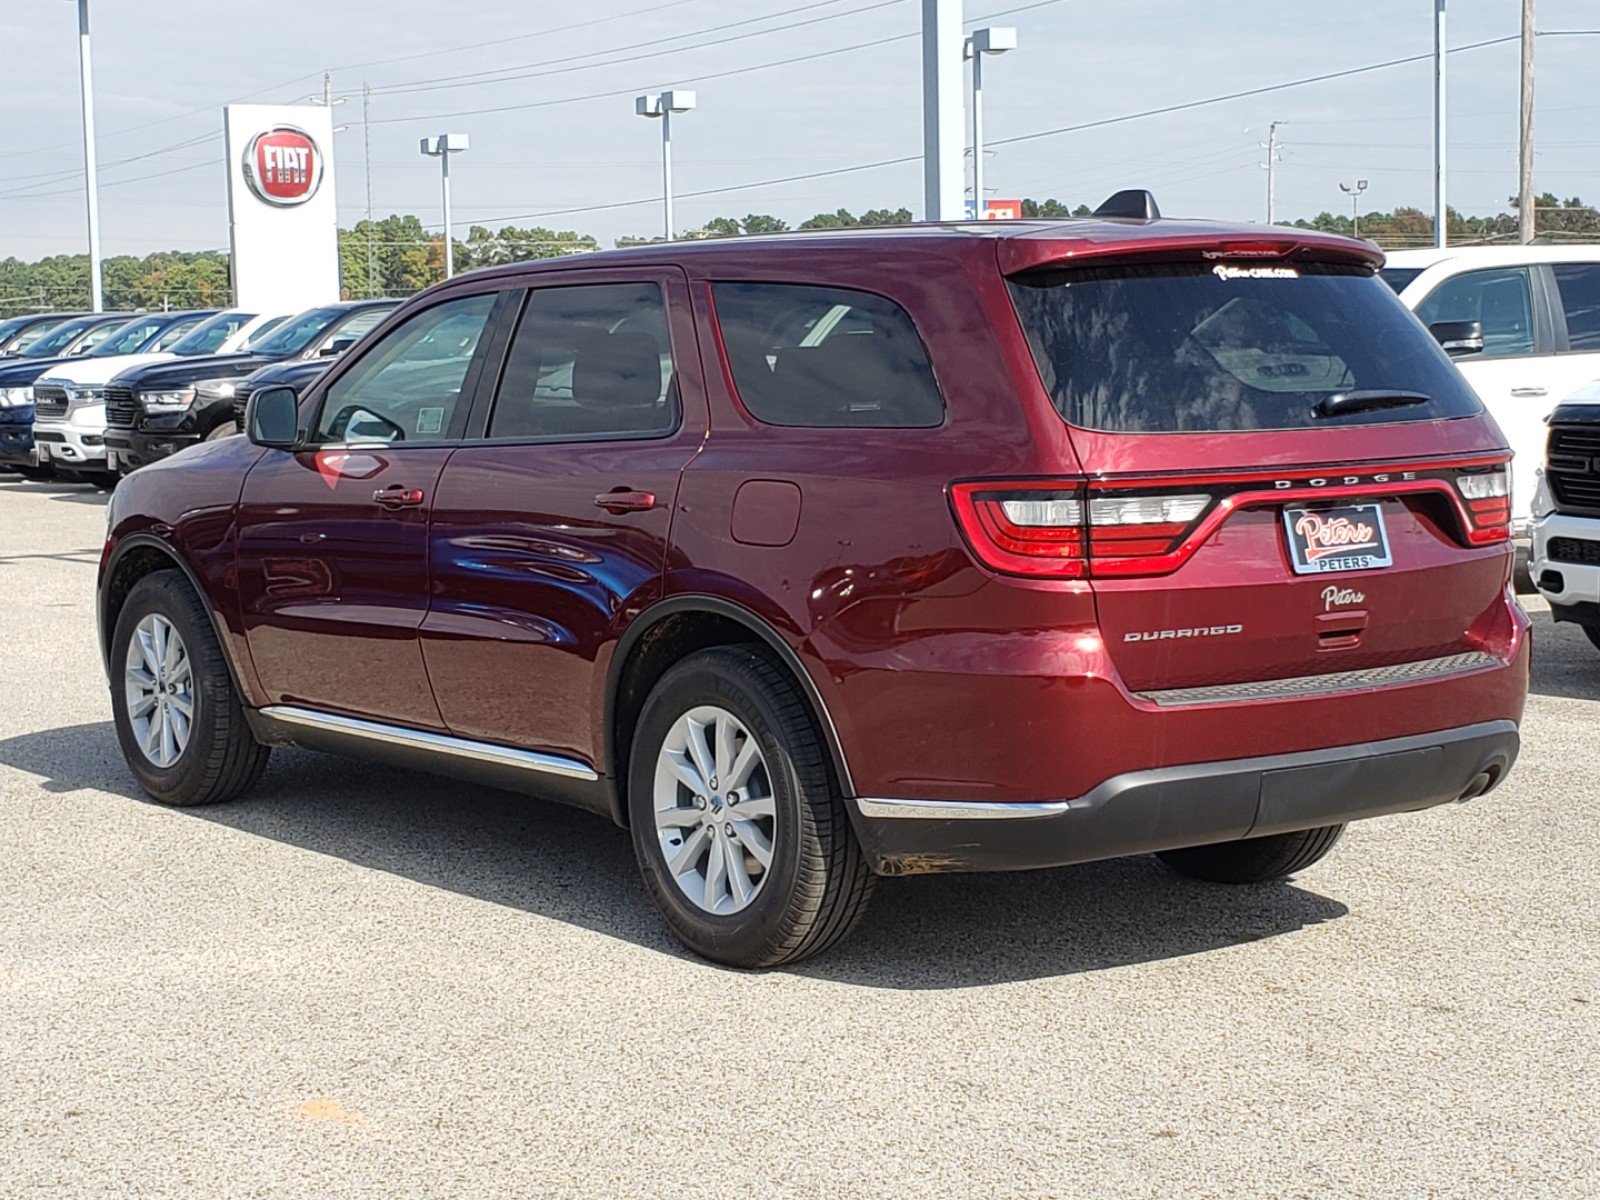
133,558
664,634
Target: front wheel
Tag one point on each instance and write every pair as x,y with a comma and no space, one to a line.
742,840
177,716
1254,860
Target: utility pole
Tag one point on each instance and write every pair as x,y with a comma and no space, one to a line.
1441,205
1274,156
366,138
1527,226
327,89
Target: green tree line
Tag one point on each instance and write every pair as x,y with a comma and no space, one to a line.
398,255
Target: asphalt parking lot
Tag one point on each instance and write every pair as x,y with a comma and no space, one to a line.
361,982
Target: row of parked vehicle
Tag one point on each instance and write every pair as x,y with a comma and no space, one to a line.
99,395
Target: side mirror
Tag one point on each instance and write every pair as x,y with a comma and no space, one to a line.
1458,338
336,347
272,418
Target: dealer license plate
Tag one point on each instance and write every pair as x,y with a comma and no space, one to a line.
1349,537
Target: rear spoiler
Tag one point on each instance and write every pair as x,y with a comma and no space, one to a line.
1019,255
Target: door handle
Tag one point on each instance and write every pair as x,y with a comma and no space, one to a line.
397,497
623,501
1530,391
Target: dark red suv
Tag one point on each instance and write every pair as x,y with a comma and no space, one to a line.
814,557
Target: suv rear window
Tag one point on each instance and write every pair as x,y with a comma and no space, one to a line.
1194,347
826,357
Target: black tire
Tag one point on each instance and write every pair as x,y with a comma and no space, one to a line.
222,758
1593,634
1254,860
36,474
818,883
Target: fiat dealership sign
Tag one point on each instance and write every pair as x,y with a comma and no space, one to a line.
283,222
283,166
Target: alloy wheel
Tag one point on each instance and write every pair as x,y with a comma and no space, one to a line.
159,687
715,814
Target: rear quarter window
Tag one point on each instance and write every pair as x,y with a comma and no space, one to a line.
825,358
1200,347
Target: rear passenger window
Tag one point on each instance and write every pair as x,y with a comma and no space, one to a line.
1580,300
590,361
1500,299
825,357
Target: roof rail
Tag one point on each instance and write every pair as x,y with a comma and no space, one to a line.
1133,203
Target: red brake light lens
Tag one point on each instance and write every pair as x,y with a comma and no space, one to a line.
1049,531
1488,497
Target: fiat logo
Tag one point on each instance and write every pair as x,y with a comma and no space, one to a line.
283,166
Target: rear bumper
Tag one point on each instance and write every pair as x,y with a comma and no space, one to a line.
1167,808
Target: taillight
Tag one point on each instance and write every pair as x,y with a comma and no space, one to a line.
1488,497
1046,530
1024,528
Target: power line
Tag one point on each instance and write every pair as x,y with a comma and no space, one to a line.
704,76
1026,137
474,78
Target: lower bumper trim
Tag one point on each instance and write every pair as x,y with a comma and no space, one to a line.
1167,808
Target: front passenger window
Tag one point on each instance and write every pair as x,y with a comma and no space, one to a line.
1501,299
407,388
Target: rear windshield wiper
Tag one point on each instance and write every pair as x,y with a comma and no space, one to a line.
1363,399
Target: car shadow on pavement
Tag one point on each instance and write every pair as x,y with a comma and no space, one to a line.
65,490
541,857
1565,662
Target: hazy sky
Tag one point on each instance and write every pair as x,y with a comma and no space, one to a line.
164,68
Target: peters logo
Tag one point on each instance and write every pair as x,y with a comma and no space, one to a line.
283,166
1336,535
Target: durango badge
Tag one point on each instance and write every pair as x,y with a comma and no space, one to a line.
283,166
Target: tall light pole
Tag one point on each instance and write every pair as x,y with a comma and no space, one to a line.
1526,211
91,180
1441,206
941,111
442,147
1355,198
663,105
994,40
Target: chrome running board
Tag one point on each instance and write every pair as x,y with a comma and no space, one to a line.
433,743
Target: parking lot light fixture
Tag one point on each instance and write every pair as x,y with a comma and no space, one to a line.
663,105
442,147
1354,192
991,40
91,185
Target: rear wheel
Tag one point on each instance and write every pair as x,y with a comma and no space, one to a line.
1254,860
742,840
178,719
